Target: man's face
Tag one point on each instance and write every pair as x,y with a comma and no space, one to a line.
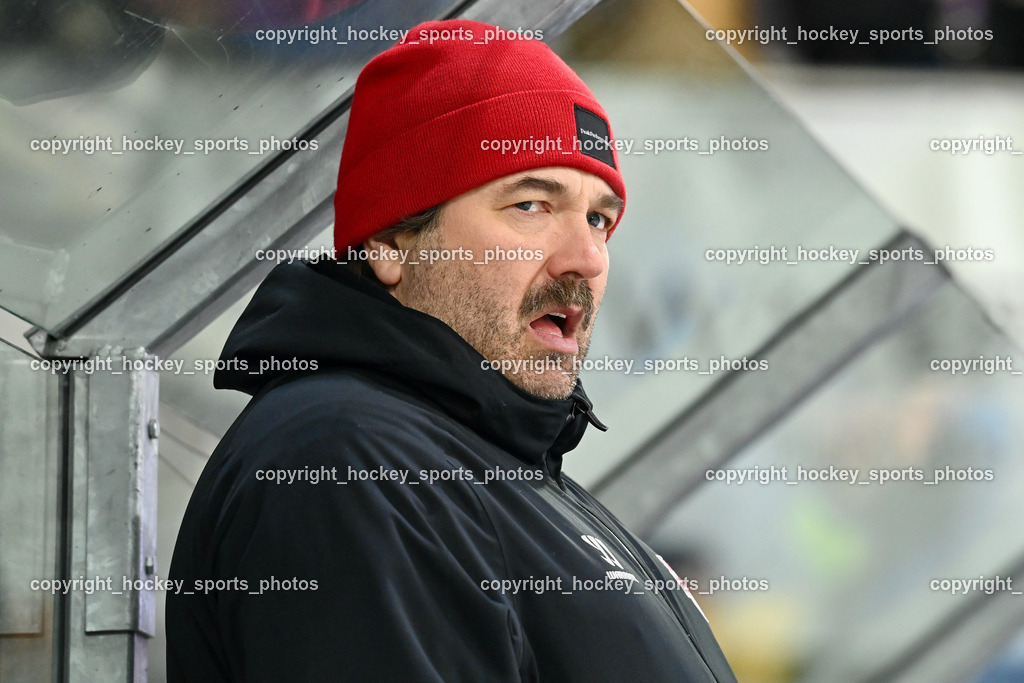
537,298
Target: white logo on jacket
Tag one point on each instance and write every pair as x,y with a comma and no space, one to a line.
602,547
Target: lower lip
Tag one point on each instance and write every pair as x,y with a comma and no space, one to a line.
555,343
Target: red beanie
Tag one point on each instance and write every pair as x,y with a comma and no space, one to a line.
427,114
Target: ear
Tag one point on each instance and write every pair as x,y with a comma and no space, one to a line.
383,259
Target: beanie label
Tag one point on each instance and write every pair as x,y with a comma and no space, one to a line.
592,136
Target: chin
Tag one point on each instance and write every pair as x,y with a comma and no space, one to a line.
545,387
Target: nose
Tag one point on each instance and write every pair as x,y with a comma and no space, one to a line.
578,250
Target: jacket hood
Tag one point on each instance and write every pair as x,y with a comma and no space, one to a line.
326,313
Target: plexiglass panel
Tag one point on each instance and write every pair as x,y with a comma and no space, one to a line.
859,527
125,121
716,171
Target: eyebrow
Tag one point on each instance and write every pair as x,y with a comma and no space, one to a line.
607,201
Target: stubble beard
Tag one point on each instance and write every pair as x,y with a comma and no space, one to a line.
455,292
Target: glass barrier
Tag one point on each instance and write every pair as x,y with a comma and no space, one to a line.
873,514
126,121
736,219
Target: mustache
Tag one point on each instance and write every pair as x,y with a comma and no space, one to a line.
567,292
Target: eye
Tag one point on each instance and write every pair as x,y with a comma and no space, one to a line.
529,206
599,220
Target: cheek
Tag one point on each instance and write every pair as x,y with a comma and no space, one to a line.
598,285
496,290
513,277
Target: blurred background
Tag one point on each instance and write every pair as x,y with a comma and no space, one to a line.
790,133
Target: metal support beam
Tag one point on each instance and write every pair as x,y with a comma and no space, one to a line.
29,484
111,507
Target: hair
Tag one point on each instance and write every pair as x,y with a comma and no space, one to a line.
417,224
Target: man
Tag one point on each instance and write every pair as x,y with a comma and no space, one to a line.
395,510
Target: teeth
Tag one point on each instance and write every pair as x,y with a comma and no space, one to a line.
560,315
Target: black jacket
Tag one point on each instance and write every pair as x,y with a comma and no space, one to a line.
502,569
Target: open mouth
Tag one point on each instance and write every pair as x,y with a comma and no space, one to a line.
557,328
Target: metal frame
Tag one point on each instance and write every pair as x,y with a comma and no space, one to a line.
111,520
29,517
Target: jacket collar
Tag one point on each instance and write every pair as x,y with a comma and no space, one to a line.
327,313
